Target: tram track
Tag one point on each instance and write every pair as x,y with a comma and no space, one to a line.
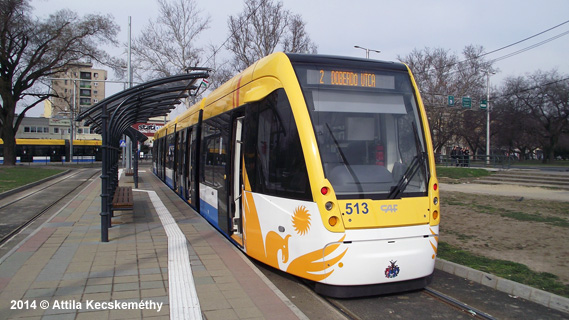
30,217
474,312
429,303
356,314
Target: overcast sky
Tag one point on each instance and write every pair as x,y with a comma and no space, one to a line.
393,27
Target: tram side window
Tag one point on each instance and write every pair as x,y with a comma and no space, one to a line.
155,151
273,154
214,151
170,151
41,151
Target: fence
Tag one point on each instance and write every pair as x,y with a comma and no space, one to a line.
493,161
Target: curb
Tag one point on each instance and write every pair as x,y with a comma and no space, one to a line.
547,299
32,184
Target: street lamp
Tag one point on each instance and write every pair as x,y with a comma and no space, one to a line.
367,50
488,73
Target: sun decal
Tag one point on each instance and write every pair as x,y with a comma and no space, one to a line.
301,220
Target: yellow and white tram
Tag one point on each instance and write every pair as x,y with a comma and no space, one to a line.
54,150
319,166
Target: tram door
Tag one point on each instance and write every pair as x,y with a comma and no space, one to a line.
237,182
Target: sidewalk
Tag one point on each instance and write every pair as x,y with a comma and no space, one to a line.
63,271
508,190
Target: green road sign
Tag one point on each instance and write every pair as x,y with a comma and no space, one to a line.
466,102
483,104
451,101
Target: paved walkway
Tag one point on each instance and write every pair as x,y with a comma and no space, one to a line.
63,271
508,190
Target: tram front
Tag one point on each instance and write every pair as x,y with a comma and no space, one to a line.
379,185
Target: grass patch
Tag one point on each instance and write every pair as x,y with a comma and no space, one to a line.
461,173
505,269
460,236
520,216
14,177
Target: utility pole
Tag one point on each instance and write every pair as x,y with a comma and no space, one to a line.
488,72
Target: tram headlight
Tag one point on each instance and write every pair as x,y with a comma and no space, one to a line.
329,205
333,220
436,201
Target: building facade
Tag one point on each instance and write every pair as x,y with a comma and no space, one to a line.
77,89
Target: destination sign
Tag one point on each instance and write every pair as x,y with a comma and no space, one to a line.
350,78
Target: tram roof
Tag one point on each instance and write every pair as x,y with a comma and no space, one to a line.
345,61
138,104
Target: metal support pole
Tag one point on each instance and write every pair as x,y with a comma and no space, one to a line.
128,151
136,156
105,214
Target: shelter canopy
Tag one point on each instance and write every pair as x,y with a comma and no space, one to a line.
115,115
139,103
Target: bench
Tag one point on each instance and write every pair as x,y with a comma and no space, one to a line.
122,200
129,172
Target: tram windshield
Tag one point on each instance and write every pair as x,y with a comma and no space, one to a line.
368,130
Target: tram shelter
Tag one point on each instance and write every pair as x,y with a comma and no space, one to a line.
114,116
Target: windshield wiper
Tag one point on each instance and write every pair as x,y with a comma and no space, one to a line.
411,171
416,163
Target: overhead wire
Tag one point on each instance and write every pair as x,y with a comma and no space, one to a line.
530,47
508,46
532,88
528,38
510,55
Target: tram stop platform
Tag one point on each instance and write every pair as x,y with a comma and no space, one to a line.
62,270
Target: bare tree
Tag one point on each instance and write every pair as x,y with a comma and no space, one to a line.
263,27
542,98
167,46
297,39
516,130
33,49
440,73
221,70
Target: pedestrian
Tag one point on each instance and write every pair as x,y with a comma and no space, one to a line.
453,155
466,153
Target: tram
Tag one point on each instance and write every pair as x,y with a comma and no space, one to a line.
319,166
54,150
